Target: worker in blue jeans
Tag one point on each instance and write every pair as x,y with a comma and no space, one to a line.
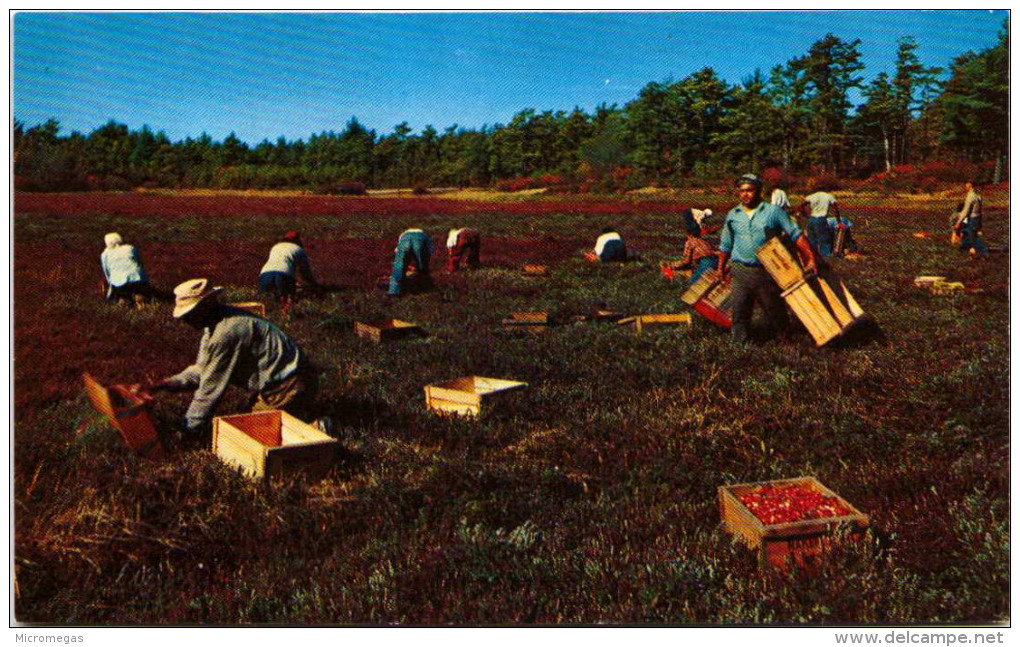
968,222
414,247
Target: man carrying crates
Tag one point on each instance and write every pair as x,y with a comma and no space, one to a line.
747,227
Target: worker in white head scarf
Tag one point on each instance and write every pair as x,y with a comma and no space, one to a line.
126,279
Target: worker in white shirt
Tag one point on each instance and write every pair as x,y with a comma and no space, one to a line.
609,247
462,245
819,207
286,259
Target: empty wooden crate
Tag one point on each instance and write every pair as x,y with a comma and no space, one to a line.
469,396
387,330
641,322
256,308
800,542
272,443
825,306
128,413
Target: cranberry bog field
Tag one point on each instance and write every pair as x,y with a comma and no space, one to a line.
589,499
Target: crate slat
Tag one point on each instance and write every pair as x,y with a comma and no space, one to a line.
780,262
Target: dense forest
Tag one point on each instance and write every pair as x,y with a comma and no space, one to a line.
800,118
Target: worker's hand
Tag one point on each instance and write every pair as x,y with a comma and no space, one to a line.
810,266
143,391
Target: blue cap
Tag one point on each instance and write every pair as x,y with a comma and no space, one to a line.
748,178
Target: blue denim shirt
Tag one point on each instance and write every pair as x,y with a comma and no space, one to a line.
742,235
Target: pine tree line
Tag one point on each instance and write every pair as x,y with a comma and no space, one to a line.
799,116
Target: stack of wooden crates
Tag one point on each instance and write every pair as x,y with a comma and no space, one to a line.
822,303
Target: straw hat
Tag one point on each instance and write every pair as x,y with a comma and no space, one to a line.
190,293
113,239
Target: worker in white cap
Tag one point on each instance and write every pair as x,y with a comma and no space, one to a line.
126,280
241,349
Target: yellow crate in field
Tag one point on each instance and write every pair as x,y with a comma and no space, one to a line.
825,306
469,396
387,330
256,308
640,322
272,443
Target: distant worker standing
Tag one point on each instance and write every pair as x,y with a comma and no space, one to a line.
126,280
414,248
820,207
609,247
286,259
462,245
968,222
239,349
747,227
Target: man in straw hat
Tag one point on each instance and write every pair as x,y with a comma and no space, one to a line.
748,226
241,349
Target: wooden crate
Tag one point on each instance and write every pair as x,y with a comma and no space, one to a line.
641,322
715,304
469,396
780,262
273,444
943,288
604,314
928,281
256,308
535,270
532,322
129,415
387,330
783,545
527,319
701,287
825,306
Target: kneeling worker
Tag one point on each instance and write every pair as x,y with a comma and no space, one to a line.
241,349
462,245
286,258
748,226
125,276
609,247
414,247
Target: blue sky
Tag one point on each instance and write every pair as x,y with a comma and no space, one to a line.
267,75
